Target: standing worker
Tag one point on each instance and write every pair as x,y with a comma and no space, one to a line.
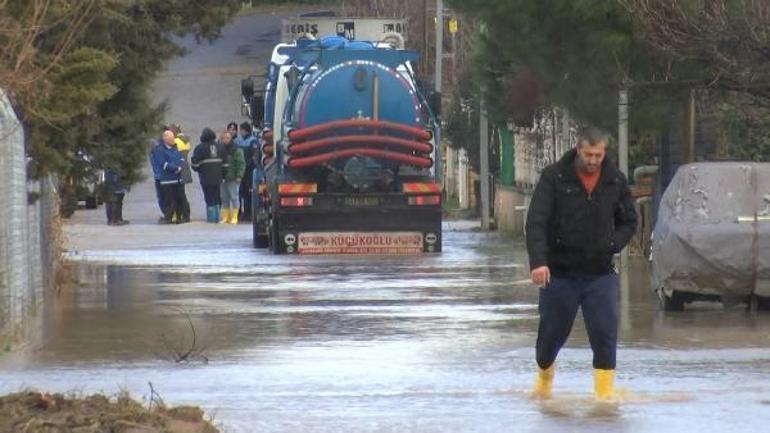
249,145
183,145
207,160
156,148
233,171
115,188
169,163
581,214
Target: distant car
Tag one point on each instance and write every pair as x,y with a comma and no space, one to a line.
712,236
89,189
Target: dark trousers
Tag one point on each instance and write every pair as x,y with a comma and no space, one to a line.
113,207
245,193
211,195
159,195
174,202
559,303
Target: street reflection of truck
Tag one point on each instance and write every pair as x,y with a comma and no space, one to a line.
349,144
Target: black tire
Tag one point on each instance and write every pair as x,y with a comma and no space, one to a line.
259,236
273,236
675,302
91,203
763,303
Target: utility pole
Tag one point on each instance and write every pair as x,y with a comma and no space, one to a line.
625,297
439,44
484,165
438,78
623,130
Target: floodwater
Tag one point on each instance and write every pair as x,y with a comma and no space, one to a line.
438,343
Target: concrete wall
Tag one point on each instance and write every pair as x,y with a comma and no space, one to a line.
26,254
511,208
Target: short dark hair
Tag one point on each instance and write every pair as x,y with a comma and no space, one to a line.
592,136
232,125
246,126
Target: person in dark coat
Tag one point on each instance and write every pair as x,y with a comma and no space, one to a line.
207,160
169,163
252,154
115,188
581,214
156,146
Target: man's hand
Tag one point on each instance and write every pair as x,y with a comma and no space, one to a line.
541,276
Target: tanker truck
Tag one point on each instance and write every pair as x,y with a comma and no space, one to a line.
349,144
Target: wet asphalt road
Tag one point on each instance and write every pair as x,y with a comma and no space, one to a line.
440,343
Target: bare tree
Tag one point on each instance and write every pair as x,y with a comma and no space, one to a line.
731,39
28,53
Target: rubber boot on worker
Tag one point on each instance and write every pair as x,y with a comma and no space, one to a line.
233,216
543,383
224,215
603,387
117,214
211,213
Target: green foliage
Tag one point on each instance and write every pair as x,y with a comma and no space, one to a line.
91,110
461,127
581,50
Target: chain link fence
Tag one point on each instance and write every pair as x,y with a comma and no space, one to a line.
27,209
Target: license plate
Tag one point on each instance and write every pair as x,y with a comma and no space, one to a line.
360,243
361,201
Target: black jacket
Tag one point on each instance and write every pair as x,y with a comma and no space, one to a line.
207,160
574,233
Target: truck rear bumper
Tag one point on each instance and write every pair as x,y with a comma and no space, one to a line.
358,231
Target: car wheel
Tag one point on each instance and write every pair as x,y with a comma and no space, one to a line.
91,203
675,302
762,303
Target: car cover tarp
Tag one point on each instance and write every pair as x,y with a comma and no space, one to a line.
710,235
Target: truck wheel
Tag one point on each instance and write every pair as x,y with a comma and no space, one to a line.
675,302
259,235
274,241
91,203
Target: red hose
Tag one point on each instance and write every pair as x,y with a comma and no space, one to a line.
362,139
307,161
300,134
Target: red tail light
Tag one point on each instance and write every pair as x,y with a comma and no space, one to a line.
296,201
425,200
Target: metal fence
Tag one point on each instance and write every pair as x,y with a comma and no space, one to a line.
27,209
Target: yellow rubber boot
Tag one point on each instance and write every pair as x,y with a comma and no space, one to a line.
603,389
224,215
543,383
233,217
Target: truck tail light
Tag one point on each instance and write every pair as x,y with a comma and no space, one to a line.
425,200
296,201
297,188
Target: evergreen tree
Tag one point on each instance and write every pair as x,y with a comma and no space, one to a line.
92,62
581,51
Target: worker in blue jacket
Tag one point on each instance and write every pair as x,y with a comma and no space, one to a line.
169,163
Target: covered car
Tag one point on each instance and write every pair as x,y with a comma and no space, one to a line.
712,235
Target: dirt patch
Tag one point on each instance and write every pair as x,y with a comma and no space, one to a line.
35,412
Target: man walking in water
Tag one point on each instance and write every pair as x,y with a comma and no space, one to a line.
581,214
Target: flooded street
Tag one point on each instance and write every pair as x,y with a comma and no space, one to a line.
379,344
332,344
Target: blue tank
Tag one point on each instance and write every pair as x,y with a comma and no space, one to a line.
363,95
